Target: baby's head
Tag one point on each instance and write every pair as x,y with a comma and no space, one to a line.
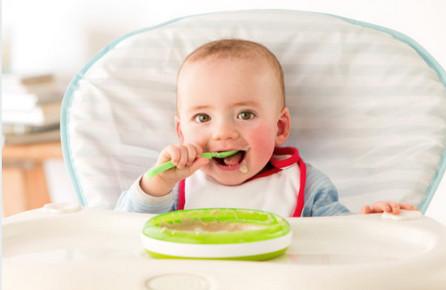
231,96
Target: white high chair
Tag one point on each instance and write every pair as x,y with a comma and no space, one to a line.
368,106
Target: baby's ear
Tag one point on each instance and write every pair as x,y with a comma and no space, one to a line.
178,129
283,126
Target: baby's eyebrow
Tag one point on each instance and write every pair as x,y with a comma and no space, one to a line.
199,107
238,104
245,103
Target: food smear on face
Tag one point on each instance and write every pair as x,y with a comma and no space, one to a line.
243,168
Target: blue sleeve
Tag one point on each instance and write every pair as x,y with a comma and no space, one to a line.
136,200
321,196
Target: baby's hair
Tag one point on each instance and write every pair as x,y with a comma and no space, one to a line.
237,48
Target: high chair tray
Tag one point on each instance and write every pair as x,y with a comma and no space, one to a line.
71,248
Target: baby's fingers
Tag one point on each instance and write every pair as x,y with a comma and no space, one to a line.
377,207
197,164
171,153
382,206
407,206
395,208
389,207
366,210
183,160
188,154
193,152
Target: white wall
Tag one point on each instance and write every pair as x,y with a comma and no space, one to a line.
61,36
64,35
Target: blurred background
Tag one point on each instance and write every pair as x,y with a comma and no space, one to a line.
44,44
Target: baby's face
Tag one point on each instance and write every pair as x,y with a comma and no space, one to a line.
231,104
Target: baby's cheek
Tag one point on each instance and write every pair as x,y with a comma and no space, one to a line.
189,135
262,137
196,137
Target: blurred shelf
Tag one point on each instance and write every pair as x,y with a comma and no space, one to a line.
24,180
32,152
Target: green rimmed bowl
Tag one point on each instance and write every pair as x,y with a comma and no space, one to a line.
217,233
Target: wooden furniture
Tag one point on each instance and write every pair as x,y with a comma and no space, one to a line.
24,181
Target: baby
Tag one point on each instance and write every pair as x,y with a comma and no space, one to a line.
231,96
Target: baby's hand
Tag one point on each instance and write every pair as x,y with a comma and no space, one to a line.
187,160
387,206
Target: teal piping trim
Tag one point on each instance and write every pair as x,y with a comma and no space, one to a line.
67,100
64,136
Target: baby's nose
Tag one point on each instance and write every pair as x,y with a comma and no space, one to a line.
225,130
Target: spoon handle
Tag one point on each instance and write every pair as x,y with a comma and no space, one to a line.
160,168
168,165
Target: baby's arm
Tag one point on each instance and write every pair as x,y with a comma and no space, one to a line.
321,196
156,194
387,206
136,200
187,160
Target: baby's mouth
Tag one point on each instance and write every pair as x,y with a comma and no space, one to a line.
232,160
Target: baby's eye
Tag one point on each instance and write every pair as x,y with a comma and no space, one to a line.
202,118
246,115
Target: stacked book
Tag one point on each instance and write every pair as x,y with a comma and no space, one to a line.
30,108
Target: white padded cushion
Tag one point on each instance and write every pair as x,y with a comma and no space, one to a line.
367,109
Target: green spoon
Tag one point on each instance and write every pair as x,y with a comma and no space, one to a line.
208,155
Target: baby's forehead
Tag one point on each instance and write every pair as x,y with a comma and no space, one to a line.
228,60
251,62
197,81
193,72
222,70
